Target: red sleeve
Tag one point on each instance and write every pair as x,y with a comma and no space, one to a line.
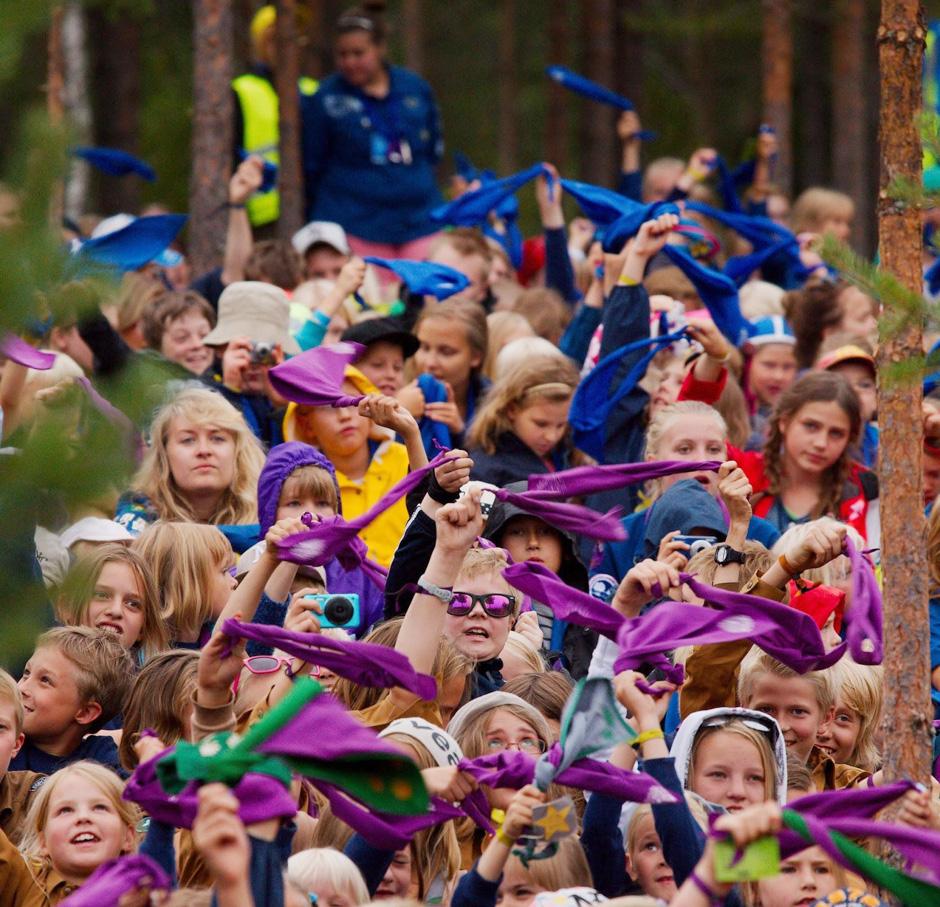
703,391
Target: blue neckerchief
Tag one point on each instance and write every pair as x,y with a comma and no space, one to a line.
431,431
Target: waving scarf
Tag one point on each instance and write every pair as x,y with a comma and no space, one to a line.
584,480
115,162
19,351
472,208
135,245
315,378
424,277
115,878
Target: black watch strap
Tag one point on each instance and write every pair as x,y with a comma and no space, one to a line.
725,554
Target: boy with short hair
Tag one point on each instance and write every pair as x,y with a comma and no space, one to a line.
803,705
16,788
74,683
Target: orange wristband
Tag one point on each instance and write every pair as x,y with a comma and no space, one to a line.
787,566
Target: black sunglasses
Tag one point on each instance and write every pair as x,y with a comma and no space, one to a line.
495,604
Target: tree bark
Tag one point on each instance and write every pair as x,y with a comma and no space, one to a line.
77,102
290,175
556,117
412,22
212,131
508,89
849,148
777,63
907,707
812,93
629,56
598,132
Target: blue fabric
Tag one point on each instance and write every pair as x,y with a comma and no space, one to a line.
718,293
472,208
740,267
630,185
934,633
98,749
115,162
603,844
135,245
588,88
559,275
158,844
932,278
371,861
268,172
380,202
603,206
431,431
424,277
617,234
871,438
596,397
265,873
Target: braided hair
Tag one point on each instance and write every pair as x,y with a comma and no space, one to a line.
816,387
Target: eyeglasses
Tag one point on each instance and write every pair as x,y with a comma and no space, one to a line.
495,604
269,664
530,745
765,725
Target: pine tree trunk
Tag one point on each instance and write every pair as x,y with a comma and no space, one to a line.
508,89
598,132
849,148
556,119
629,55
412,32
212,131
290,175
907,708
812,95
77,102
777,60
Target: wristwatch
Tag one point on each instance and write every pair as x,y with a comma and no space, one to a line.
725,554
445,595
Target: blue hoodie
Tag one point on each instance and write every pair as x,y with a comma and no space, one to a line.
281,462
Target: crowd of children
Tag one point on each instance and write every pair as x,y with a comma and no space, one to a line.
376,498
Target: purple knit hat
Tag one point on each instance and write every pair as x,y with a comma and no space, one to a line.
281,462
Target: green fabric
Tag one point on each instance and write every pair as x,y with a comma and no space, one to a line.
911,892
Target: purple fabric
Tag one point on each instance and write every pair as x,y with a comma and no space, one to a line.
115,878
569,517
361,662
336,537
18,350
282,460
864,617
380,829
584,480
566,602
107,409
515,770
260,797
323,731
315,378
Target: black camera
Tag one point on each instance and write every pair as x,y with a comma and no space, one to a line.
263,352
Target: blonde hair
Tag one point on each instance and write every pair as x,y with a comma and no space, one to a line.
104,779
10,692
485,561
759,739
154,479
79,587
545,310
758,662
568,868
547,691
757,559
502,327
102,666
861,688
759,299
183,558
323,865
520,350
663,419
310,481
814,206
472,734
467,315
159,699
135,297
538,380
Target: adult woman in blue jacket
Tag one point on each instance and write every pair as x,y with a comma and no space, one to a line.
371,140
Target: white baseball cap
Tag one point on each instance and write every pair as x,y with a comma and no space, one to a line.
321,231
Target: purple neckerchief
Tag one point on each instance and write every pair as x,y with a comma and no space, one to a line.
260,797
850,812
115,878
332,537
863,617
515,770
381,829
584,480
315,378
19,351
363,663
354,555
571,518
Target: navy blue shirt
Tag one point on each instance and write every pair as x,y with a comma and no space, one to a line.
98,749
369,162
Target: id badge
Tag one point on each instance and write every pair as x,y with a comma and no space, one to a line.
378,148
551,822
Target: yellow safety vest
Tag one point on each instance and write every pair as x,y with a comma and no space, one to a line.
258,99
